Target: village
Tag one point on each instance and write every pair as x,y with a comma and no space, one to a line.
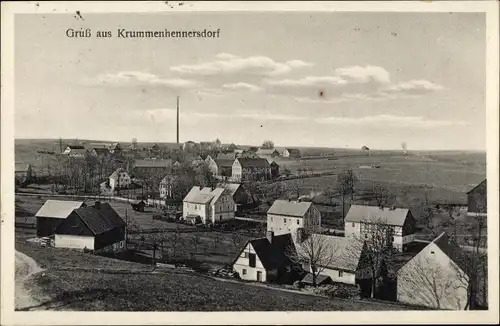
227,211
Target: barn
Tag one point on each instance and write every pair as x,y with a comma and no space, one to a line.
53,213
98,228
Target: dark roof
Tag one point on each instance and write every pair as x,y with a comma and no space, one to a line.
224,163
273,255
253,162
76,147
453,251
479,185
100,220
226,156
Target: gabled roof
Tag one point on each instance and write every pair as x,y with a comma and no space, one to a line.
289,208
452,250
115,174
224,163
363,213
479,185
198,195
253,162
273,255
100,220
231,187
58,208
293,150
153,163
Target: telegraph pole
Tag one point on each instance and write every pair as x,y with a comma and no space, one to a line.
177,119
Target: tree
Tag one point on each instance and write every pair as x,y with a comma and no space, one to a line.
268,144
377,236
382,196
313,250
195,240
236,238
346,182
404,146
175,240
134,143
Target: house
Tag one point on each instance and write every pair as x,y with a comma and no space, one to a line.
212,165
226,156
115,148
436,277
343,259
52,213
207,205
265,259
224,167
362,220
275,168
119,179
477,200
250,169
70,148
166,186
231,148
286,216
147,167
238,192
291,153
23,173
138,205
98,228
268,152
247,154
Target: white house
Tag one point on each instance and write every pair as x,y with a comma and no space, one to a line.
119,179
286,216
435,277
211,206
264,259
291,153
362,220
344,262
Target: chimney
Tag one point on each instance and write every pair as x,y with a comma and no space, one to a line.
270,236
177,119
97,204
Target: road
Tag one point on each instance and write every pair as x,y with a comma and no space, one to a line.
25,268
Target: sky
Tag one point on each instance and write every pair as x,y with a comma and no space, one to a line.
343,80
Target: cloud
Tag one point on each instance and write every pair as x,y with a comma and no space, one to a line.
414,87
390,121
229,64
134,78
241,86
365,74
368,83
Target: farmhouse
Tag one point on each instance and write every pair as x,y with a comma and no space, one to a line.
76,151
71,148
52,213
342,259
207,205
224,167
23,173
267,152
119,179
138,205
249,169
287,216
477,200
98,228
265,259
291,153
361,221
148,167
436,277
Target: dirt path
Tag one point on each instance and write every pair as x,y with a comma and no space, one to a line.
25,268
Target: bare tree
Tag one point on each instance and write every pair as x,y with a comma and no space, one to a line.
175,240
237,239
382,195
313,250
195,240
216,240
346,183
377,235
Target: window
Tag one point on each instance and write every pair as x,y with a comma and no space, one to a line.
245,254
353,224
298,221
252,260
341,274
284,220
244,271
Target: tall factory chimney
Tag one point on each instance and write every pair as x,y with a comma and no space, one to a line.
177,119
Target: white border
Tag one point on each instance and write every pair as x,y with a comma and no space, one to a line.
9,317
